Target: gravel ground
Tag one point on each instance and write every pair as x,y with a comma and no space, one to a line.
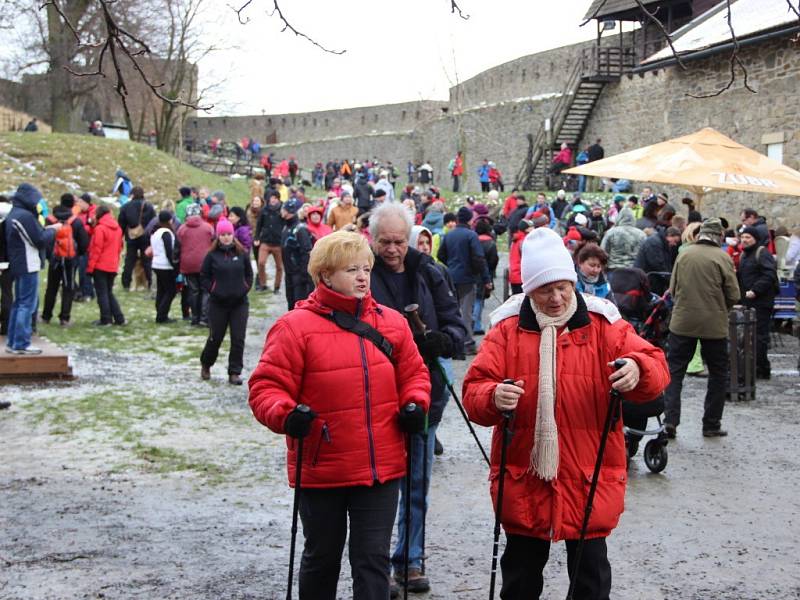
130,483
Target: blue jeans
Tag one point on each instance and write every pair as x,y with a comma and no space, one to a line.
26,300
419,503
477,310
581,183
85,285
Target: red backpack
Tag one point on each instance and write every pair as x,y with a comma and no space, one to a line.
64,246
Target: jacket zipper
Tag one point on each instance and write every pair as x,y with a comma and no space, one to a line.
366,399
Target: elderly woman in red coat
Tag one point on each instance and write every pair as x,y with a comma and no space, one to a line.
558,347
354,452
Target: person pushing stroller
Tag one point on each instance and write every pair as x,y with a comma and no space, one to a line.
558,347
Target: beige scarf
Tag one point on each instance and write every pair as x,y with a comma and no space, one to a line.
544,455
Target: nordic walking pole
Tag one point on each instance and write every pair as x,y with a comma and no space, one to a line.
418,328
425,458
409,408
507,433
612,409
298,470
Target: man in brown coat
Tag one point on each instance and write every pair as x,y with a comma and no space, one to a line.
704,288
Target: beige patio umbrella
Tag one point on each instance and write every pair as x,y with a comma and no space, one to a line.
700,162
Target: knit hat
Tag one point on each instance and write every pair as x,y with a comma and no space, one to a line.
215,212
224,226
464,215
292,205
67,200
712,227
86,197
524,225
481,210
752,231
219,195
580,219
545,260
540,219
193,210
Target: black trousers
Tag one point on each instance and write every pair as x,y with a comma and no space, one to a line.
165,293
298,287
6,299
484,186
104,289
197,298
220,318
715,355
324,513
763,322
524,559
134,249
60,275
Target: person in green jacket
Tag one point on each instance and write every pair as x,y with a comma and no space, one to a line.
704,288
186,200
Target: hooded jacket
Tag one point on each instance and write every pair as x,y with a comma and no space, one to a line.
227,275
622,241
269,225
655,254
195,237
105,246
25,239
438,309
758,272
554,510
356,391
515,258
320,229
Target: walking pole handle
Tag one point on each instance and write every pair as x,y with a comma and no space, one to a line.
619,363
303,408
410,407
508,414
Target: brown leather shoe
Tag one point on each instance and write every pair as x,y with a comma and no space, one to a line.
205,373
234,379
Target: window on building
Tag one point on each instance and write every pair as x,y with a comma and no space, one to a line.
403,116
363,119
283,122
269,122
315,122
326,122
375,117
775,151
416,115
524,73
294,121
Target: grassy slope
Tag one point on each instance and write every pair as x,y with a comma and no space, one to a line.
57,163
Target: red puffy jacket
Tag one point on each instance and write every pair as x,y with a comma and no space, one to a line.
554,510
351,385
105,245
515,258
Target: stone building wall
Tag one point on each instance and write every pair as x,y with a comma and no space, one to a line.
322,125
638,111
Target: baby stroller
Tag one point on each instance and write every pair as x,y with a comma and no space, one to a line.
648,314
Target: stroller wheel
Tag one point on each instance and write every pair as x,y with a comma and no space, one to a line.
655,456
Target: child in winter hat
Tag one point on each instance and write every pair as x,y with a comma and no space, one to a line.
545,260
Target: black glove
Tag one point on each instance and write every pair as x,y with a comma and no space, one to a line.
434,344
298,423
412,418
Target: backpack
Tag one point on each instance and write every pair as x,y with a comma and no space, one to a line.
64,246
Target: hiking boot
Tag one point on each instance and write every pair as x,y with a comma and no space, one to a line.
30,350
235,379
703,374
166,321
45,321
417,582
671,430
4,404
438,449
101,324
64,323
394,589
714,433
205,373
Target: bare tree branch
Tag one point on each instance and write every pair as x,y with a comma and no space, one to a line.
734,61
654,19
454,8
286,25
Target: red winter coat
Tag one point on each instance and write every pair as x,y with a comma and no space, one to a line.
105,245
351,385
515,258
195,237
554,510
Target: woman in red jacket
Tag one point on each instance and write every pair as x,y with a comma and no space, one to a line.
558,347
515,257
354,455
104,250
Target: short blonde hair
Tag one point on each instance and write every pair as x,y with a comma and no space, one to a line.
335,251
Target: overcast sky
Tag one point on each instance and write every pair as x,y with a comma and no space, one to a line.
396,50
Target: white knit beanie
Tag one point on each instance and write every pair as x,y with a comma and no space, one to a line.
545,260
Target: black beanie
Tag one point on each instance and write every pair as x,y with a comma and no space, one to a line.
67,200
752,231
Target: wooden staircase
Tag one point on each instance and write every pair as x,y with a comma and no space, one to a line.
570,117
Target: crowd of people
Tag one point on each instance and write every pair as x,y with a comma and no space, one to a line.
396,283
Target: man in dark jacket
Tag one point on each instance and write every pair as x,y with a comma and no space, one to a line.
135,213
362,194
758,282
62,269
296,246
751,218
461,251
657,255
25,241
517,215
268,240
403,276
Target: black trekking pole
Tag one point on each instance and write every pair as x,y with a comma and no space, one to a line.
613,405
298,470
507,434
409,408
425,458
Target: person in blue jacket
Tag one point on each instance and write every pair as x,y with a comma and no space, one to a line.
483,175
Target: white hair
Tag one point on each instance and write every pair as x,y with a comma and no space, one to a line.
389,210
